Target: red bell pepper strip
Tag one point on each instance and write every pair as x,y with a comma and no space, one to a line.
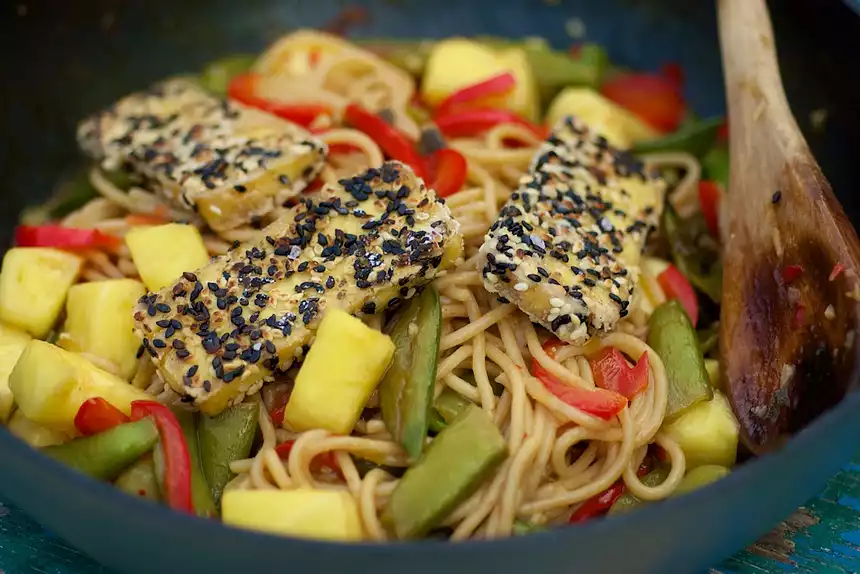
97,415
449,171
277,415
676,286
790,273
177,461
597,402
242,88
320,461
836,271
653,98
709,204
475,122
393,142
478,93
600,504
63,237
611,372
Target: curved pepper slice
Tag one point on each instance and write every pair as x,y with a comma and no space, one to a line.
611,372
475,122
97,415
480,92
177,460
449,171
63,237
393,142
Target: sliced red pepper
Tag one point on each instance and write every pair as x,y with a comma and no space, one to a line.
676,286
393,142
790,273
653,98
613,373
323,460
709,204
277,415
177,462
475,94
97,415
242,88
674,73
600,504
836,272
597,402
63,237
449,171
723,131
475,122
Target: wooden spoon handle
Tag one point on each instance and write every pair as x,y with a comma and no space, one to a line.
753,83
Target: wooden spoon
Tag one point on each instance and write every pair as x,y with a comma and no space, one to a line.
790,287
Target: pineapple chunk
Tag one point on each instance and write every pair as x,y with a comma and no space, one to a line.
304,512
525,98
12,343
50,384
34,282
163,252
100,321
458,63
620,127
33,434
345,363
707,433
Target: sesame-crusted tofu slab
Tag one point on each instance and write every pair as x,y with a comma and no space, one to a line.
228,162
362,246
566,246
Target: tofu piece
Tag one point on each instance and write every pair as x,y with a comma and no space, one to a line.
228,162
362,246
566,246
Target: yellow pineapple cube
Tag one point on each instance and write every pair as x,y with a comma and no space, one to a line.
34,282
707,433
100,321
12,343
344,365
50,384
457,63
304,512
620,127
162,253
33,434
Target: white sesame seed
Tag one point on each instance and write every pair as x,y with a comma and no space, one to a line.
556,302
829,313
521,287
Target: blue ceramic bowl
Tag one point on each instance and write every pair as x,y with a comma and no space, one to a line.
83,59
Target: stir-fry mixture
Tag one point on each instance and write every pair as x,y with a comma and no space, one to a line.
377,290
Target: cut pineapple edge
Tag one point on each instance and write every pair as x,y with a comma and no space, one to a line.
342,368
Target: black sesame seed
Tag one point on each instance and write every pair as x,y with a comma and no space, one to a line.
183,353
158,343
534,277
369,308
140,351
777,195
163,307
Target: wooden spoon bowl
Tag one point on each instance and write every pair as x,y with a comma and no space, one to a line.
791,295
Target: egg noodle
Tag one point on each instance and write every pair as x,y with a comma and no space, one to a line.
558,456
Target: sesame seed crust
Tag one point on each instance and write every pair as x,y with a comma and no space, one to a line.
227,162
256,309
567,244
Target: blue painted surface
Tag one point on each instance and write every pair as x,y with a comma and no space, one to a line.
665,538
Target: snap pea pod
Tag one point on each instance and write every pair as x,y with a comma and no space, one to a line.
201,495
552,69
225,438
672,337
139,480
450,404
696,137
406,391
105,455
715,165
216,76
627,501
694,252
